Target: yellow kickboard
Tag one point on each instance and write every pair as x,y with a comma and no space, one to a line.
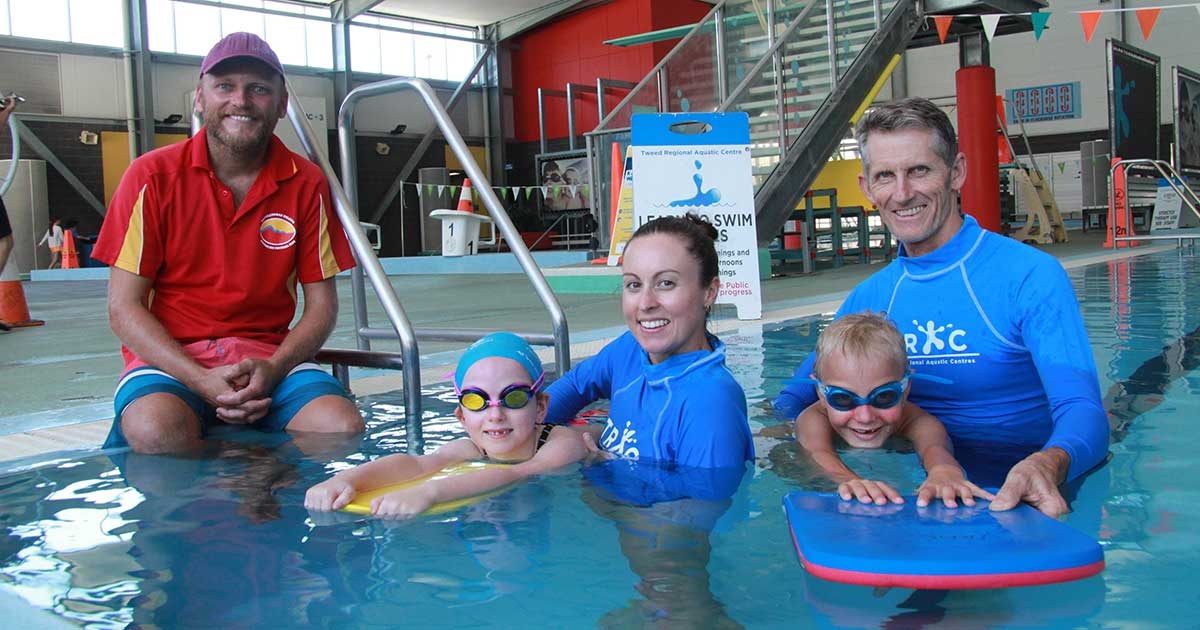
362,503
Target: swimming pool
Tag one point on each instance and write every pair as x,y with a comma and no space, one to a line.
109,540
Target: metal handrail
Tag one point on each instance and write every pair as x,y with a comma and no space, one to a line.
482,186
656,71
35,143
769,55
1024,136
426,140
365,255
15,134
1168,173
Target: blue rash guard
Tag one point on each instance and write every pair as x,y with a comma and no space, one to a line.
999,319
687,410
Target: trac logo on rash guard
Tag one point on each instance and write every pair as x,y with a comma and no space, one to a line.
277,231
620,442
942,343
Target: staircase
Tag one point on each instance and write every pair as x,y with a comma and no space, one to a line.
801,69
1043,220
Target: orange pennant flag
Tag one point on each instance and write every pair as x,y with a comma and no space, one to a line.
1146,19
943,25
1089,19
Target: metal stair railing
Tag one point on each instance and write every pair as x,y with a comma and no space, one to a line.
408,360
415,159
822,134
700,57
1167,172
800,71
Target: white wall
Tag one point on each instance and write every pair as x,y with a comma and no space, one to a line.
1062,56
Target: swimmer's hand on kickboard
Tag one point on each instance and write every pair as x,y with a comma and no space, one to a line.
407,499
332,494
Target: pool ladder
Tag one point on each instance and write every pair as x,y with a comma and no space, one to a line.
345,199
1175,181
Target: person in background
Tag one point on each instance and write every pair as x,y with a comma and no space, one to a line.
53,238
995,317
220,229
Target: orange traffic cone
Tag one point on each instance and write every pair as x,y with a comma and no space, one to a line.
466,199
14,312
70,257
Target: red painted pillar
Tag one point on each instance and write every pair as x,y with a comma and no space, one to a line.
976,87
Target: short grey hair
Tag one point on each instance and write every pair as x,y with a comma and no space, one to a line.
910,113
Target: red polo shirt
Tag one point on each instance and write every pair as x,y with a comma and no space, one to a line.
221,271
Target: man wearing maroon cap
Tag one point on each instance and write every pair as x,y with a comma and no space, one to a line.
207,240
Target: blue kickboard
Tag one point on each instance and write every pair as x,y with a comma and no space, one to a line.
935,546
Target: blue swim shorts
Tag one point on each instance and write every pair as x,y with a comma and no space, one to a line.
303,384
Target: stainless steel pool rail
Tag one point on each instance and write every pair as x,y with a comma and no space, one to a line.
1167,172
345,204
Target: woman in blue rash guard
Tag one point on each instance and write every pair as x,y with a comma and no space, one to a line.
677,426
672,400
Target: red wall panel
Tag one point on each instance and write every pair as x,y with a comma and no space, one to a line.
571,49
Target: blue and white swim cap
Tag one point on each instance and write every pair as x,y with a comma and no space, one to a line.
500,344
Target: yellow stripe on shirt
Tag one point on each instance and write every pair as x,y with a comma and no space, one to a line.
329,264
130,257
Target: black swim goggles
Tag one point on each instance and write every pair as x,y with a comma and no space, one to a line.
514,396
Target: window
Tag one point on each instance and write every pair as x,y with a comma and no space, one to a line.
40,19
299,34
97,22
375,48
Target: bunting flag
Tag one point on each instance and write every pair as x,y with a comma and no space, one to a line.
1146,19
419,195
545,191
440,189
1089,20
943,25
1039,23
990,21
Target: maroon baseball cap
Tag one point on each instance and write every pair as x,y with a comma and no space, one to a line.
241,45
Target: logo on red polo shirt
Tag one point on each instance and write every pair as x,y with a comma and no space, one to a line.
277,231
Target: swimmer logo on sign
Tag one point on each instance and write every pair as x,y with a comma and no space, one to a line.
700,163
277,231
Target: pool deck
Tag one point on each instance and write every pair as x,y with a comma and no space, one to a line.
57,380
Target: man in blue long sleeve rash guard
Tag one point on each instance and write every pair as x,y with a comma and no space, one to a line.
994,316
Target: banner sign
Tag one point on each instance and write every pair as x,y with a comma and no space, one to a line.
700,163
1059,101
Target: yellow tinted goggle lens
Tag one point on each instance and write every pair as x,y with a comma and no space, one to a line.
473,401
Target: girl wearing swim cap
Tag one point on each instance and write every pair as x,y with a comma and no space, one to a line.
671,397
502,408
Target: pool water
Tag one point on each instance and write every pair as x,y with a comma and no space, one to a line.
119,539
